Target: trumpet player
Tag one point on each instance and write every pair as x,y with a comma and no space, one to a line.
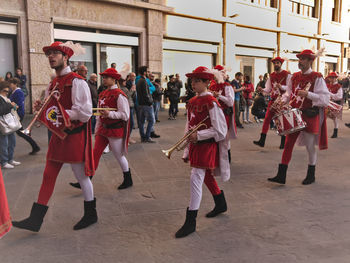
307,91
275,86
224,93
204,151
76,147
336,93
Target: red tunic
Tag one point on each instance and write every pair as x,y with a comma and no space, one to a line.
220,88
278,77
299,82
77,147
109,99
333,88
203,155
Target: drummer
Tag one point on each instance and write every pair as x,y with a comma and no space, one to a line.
336,93
307,91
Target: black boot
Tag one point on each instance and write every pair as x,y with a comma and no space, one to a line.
220,205
35,220
127,180
281,175
229,155
189,225
335,133
261,142
90,215
310,177
154,135
77,185
283,140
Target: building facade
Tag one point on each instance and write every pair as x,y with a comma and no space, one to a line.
173,36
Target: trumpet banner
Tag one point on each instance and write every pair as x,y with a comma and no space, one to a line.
55,118
5,218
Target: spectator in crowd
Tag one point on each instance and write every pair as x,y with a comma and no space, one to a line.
172,93
189,91
113,65
248,90
2,79
259,107
131,85
92,83
8,76
345,82
17,97
82,70
236,84
130,93
23,81
7,142
157,97
145,105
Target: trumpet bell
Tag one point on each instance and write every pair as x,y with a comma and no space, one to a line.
26,132
167,153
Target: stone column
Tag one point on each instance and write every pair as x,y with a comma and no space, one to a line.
40,33
154,40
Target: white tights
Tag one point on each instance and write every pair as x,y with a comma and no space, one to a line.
84,181
310,142
197,179
336,123
116,145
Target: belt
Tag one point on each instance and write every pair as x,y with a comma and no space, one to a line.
206,141
228,111
75,130
116,125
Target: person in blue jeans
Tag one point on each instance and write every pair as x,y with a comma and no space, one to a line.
145,106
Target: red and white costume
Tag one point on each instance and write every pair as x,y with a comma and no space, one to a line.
206,156
282,77
316,130
75,148
5,218
336,94
114,129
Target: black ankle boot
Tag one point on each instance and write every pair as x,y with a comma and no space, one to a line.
335,133
310,176
127,180
154,135
283,140
229,155
281,175
90,215
261,142
77,185
220,205
35,220
189,225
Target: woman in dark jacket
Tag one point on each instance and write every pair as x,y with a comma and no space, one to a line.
172,92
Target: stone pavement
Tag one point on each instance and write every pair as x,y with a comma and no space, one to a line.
264,222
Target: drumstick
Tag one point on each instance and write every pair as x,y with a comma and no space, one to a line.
96,109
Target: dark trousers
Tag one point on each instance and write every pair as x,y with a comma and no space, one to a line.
237,113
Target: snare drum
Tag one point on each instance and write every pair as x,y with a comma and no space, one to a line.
334,110
289,121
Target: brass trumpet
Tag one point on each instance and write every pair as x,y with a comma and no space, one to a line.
183,142
28,130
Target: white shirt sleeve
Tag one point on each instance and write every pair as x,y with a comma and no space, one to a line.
218,129
268,86
289,77
186,150
337,96
81,99
321,95
229,97
288,93
123,111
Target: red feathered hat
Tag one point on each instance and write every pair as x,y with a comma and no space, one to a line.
332,75
111,72
307,53
201,73
281,60
219,67
60,47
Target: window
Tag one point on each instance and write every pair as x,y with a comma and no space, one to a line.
307,8
336,11
266,3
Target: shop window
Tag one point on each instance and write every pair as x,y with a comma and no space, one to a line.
336,11
7,54
307,8
86,59
117,54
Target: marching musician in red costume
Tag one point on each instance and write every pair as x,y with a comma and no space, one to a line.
68,144
224,93
336,93
204,151
5,218
276,85
113,125
307,91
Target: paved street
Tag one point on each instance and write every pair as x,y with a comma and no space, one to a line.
264,222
